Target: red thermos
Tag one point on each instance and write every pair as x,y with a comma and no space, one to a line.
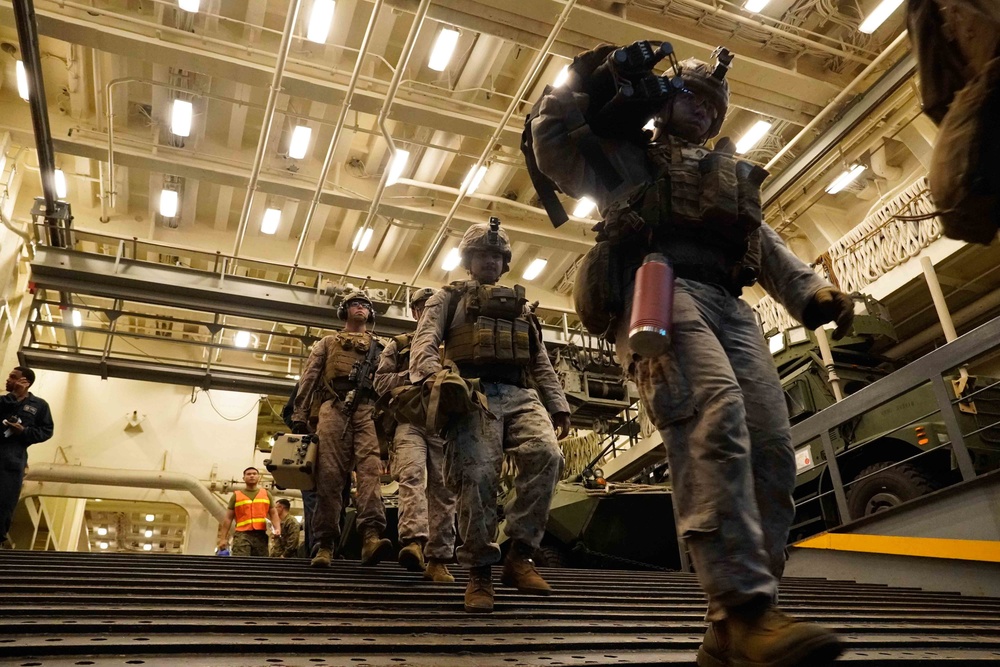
652,307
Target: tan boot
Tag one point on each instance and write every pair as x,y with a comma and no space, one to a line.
519,571
438,572
323,557
373,548
411,557
479,592
768,638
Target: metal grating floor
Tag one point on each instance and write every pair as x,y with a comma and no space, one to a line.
62,609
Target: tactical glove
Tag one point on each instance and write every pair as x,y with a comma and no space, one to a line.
830,305
300,428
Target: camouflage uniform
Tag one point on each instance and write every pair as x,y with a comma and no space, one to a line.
286,544
715,396
338,453
249,543
426,504
477,443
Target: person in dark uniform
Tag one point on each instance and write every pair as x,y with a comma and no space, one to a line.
26,420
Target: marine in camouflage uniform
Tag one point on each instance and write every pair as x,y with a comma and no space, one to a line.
488,334
324,388
285,544
715,396
426,504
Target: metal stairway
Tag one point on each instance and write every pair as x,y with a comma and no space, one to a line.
61,609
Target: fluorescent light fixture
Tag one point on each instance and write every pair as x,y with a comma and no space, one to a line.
584,207
362,239
272,217
168,203
753,136
103,545
147,547
320,20
444,47
776,343
561,77
22,81
180,118
879,15
241,339
300,142
452,260
102,531
189,5
77,318
845,179
150,517
535,268
98,500
60,184
755,5
148,533
397,166
797,335
473,179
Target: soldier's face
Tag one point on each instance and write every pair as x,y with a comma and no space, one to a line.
691,116
358,311
486,266
251,477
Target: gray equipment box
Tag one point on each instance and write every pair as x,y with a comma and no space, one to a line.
293,461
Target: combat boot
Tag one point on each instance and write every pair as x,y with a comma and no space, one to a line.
438,572
519,571
323,557
767,638
479,592
411,557
373,548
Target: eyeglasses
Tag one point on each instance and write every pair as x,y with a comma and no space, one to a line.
359,304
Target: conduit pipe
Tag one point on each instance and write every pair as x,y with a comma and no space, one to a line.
532,74
265,133
95,65
390,96
941,306
141,479
841,96
337,130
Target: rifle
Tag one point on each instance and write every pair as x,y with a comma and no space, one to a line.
363,376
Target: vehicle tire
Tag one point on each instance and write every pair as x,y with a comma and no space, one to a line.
887,487
548,555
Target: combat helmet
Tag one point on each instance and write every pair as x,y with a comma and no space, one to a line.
697,76
485,236
356,295
421,295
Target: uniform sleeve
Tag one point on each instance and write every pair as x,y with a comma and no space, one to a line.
388,376
549,388
307,382
784,276
290,538
425,350
42,427
232,502
557,133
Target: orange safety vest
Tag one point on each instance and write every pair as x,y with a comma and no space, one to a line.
251,512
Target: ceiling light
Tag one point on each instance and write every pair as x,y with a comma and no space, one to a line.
189,5
300,142
150,517
320,20
22,81
77,318
180,118
362,239
879,15
473,179
102,531
845,179
397,166
168,203
148,533
444,47
98,500
60,184
272,217
755,5
561,77
584,207
534,268
147,547
103,545
241,339
753,136
452,260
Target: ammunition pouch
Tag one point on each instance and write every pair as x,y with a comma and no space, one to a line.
434,402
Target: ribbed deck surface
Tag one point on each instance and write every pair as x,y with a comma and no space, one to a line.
109,609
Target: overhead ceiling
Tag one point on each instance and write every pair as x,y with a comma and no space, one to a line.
113,69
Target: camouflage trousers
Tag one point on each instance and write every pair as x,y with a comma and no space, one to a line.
475,450
249,543
718,403
426,504
337,455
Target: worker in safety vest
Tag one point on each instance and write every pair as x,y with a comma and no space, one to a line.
250,508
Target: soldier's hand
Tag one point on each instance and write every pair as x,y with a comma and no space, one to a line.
300,428
585,63
830,305
561,423
223,544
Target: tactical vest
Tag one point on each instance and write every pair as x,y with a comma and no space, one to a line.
403,343
495,341
348,349
251,512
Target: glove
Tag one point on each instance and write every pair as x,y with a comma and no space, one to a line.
830,305
584,64
300,428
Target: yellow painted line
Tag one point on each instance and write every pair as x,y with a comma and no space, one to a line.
926,547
